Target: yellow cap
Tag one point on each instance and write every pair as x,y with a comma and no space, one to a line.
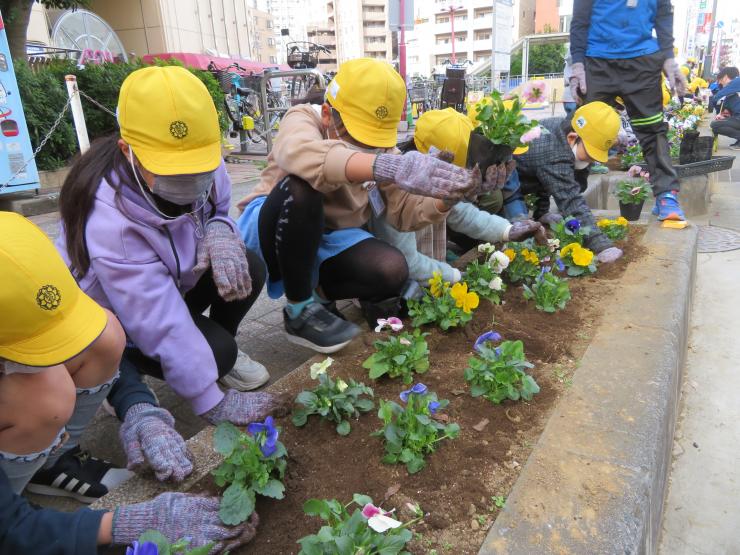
369,95
167,116
478,106
447,130
685,71
46,319
597,124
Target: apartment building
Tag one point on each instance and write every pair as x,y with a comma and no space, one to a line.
324,34
473,27
361,29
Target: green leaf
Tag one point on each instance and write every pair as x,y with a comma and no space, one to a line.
300,417
226,438
361,500
307,398
476,390
203,550
157,538
273,488
237,504
415,465
364,405
377,370
423,419
343,428
400,360
326,534
317,507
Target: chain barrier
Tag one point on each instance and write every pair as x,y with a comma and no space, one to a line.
51,132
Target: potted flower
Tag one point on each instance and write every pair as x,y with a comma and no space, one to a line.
502,129
632,193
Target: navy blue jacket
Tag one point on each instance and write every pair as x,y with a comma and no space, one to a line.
610,29
730,93
26,530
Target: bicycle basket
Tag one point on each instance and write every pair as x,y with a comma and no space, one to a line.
303,60
224,80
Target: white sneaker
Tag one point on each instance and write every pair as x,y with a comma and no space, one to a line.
246,375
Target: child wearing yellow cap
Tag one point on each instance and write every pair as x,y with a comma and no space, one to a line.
448,131
59,358
330,167
146,231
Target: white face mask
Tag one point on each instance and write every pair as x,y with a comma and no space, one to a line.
349,145
579,164
11,367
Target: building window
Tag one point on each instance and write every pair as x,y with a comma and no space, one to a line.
271,42
483,35
269,23
273,59
565,23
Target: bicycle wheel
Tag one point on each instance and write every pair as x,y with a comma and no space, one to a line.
232,112
250,107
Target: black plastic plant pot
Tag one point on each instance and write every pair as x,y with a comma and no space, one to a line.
631,212
483,152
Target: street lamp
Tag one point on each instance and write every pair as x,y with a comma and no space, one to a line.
452,10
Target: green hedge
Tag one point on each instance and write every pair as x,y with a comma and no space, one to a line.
44,95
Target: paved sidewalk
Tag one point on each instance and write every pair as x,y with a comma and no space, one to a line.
700,515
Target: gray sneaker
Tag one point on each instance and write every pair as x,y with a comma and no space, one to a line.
319,329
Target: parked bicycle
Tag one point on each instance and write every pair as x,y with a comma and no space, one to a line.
303,55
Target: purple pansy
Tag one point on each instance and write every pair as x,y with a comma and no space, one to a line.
268,446
488,336
418,389
573,225
433,407
146,548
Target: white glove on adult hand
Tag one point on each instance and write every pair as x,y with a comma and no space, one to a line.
676,79
577,80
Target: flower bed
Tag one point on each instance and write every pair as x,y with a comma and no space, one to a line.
465,480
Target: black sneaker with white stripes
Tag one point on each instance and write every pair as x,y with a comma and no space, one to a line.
78,475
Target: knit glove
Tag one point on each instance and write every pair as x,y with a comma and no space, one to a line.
607,256
497,176
426,175
577,80
224,252
676,79
550,218
179,515
243,408
524,229
149,438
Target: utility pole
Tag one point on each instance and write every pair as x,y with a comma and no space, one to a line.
707,67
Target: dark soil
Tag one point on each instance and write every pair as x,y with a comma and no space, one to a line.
456,487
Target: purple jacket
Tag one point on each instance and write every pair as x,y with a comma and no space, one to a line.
141,265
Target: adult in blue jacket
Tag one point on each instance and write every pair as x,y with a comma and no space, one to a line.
615,53
727,104
59,357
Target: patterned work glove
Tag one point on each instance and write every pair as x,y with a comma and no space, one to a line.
179,515
550,218
497,176
524,229
578,80
149,438
426,175
676,79
223,251
242,408
607,256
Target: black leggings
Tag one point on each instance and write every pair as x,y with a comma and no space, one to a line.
291,225
219,328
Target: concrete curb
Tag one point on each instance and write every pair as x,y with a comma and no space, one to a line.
596,480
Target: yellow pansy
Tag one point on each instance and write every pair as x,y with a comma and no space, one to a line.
533,258
435,284
604,222
621,220
582,257
511,254
567,248
463,299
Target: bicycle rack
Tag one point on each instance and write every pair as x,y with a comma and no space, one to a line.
267,75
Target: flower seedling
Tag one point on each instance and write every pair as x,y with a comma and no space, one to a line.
254,463
498,502
550,292
442,304
524,263
616,229
337,401
367,530
503,123
570,230
497,373
153,542
411,432
633,191
399,356
578,260
632,155
484,278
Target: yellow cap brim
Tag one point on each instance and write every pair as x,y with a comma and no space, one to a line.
371,135
596,153
71,335
196,160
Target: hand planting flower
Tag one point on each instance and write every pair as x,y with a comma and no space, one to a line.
399,356
369,529
409,432
579,260
395,324
489,336
253,464
463,299
337,402
498,374
319,368
531,135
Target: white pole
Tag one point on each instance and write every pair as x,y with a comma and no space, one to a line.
77,114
